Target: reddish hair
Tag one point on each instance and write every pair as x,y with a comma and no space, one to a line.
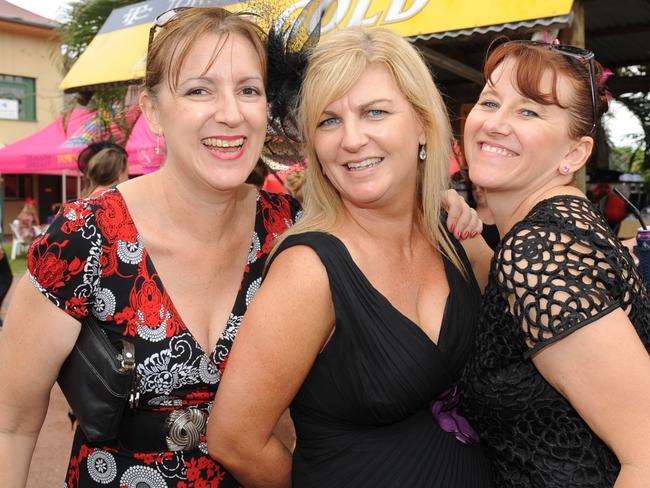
533,61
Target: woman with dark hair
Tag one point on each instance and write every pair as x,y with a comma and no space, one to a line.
559,387
105,169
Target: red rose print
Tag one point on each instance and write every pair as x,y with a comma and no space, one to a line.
75,214
77,307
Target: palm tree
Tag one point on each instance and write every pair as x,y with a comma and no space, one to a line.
80,25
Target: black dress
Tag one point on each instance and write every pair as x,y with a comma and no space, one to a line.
363,415
92,260
572,260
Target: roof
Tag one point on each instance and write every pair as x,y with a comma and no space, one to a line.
13,13
126,30
618,32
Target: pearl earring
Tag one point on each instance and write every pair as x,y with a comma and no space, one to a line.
423,152
566,169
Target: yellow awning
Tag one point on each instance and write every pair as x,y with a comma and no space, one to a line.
117,53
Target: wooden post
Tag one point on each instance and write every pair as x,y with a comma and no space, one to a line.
575,36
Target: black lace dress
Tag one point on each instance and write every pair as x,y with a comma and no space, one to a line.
363,416
580,270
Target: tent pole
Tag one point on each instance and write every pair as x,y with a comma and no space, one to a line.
78,186
64,196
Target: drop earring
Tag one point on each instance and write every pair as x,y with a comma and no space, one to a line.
423,152
157,149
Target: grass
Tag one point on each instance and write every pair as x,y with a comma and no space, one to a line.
19,266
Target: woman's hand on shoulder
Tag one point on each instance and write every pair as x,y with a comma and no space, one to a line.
462,220
286,326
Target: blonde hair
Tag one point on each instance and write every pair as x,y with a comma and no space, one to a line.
334,67
104,169
294,182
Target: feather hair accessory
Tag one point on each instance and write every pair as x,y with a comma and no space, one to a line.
289,41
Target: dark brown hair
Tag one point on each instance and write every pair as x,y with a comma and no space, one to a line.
105,168
171,46
533,61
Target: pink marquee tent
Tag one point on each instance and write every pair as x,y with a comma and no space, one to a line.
36,153
54,149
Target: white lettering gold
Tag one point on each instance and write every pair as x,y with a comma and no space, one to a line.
360,11
396,12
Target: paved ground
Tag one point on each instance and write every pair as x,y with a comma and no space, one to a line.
53,448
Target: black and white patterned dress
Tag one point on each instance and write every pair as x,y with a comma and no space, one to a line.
92,260
560,269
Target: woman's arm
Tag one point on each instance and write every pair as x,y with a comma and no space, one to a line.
277,343
480,256
35,340
603,369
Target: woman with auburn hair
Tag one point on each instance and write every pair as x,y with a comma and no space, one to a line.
368,353
560,385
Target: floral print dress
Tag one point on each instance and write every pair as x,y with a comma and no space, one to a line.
92,261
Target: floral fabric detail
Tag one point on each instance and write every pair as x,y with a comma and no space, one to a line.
92,260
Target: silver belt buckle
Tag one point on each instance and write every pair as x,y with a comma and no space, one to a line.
184,429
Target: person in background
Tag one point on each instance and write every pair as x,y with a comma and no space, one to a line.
27,221
106,169
294,183
559,386
368,349
6,275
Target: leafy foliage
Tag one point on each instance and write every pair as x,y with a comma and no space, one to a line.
639,104
81,23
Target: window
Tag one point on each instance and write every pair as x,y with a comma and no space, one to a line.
18,186
17,98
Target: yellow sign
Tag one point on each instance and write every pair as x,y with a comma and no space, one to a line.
117,53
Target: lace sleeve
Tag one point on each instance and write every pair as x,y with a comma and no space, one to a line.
558,274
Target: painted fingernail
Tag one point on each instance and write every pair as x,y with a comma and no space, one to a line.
474,233
458,235
465,234
452,228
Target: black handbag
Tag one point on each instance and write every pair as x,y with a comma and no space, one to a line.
99,381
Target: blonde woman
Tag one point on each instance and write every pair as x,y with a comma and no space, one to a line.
368,353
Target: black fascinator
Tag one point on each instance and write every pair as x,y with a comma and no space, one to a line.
288,46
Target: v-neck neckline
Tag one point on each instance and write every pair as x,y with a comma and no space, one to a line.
210,355
383,297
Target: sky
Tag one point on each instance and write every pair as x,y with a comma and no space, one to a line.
52,9
620,123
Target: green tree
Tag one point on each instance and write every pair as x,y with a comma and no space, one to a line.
639,104
80,25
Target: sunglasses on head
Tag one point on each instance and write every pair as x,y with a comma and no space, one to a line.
169,15
582,55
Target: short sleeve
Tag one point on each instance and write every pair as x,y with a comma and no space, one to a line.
279,212
63,263
555,279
